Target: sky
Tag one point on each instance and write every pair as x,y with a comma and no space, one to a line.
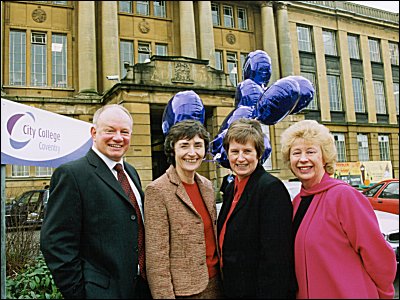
392,6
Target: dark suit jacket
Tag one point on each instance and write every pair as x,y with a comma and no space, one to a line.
89,235
257,250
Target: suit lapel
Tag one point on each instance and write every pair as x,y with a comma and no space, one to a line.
105,174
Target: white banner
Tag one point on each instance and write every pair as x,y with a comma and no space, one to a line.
35,137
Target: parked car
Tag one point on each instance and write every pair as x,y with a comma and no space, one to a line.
384,195
27,209
389,225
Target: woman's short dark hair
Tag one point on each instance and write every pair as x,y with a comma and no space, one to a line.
184,130
245,130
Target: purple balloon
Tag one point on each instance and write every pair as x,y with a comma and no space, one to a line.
278,101
240,112
247,93
184,105
257,67
307,92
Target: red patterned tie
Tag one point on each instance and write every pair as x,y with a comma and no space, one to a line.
128,190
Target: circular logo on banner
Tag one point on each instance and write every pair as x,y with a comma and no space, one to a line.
21,130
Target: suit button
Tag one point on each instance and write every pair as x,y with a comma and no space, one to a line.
133,217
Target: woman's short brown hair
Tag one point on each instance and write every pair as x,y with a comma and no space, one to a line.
186,129
245,130
310,131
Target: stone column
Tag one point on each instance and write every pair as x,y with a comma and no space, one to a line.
346,79
187,29
269,41
368,81
389,95
285,47
321,74
87,47
1,66
206,29
109,45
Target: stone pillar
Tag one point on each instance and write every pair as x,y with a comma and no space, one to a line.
321,74
346,80
187,29
87,47
206,29
109,45
389,95
285,47
269,41
368,82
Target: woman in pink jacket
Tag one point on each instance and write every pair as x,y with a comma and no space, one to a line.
339,249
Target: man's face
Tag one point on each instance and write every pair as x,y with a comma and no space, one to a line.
112,134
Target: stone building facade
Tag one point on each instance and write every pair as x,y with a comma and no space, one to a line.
60,56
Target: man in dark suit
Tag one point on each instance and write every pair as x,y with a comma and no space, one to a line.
90,235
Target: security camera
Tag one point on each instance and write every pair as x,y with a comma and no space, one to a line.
112,77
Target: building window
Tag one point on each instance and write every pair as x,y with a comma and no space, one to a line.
358,93
126,55
335,97
383,141
232,67
161,50
396,95
379,97
142,8
60,2
228,17
313,105
17,63
374,50
159,9
59,60
215,14
304,38
394,53
44,171
38,59
329,42
218,60
144,52
354,48
19,171
125,6
242,19
363,149
340,146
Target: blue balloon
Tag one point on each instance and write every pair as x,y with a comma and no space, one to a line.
219,153
257,67
278,101
240,112
247,93
307,92
184,105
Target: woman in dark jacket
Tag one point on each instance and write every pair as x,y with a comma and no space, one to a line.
255,222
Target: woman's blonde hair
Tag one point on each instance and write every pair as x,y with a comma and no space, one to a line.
310,131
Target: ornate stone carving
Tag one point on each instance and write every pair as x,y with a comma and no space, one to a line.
182,73
144,26
231,38
39,15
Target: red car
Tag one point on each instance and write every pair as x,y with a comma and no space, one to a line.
384,195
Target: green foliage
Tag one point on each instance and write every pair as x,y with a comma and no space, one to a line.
35,282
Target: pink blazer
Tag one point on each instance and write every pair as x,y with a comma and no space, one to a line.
339,249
